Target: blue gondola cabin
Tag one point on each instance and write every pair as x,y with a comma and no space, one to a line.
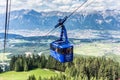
61,51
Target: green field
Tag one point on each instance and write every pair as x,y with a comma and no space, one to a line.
97,49
12,75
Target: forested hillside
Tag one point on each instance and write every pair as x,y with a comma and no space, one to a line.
82,68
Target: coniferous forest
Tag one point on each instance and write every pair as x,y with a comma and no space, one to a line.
82,68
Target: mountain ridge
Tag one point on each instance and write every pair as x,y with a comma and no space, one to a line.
31,19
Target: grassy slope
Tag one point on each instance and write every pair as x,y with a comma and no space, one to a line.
11,75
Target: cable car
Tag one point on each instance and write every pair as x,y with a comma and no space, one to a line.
62,50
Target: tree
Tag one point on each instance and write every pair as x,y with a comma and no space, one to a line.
32,77
25,66
12,63
43,61
67,71
1,70
17,66
39,78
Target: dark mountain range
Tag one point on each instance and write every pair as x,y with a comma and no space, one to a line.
31,19
31,38
10,36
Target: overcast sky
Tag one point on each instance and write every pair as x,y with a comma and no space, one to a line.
60,5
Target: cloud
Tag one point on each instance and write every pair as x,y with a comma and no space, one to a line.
59,5
62,2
